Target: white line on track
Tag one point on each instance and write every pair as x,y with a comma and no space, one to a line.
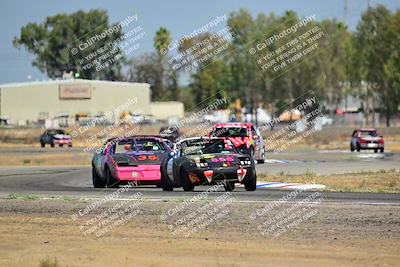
325,202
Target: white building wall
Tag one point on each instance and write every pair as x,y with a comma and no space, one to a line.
166,110
26,100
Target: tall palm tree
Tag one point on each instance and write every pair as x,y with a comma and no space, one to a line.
162,40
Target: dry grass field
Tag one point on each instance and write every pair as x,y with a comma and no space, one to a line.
373,182
41,232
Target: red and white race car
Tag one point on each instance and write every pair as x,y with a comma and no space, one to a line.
367,139
245,137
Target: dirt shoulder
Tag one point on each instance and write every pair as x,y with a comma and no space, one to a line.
338,235
373,182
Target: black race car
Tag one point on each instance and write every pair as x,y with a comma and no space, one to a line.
207,160
171,133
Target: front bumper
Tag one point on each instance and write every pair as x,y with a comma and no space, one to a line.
62,141
219,174
371,145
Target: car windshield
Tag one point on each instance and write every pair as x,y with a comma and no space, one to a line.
230,132
149,145
206,147
368,134
54,132
139,145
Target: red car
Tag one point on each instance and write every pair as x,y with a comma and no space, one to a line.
367,139
245,136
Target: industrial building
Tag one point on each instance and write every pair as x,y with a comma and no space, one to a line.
167,109
22,103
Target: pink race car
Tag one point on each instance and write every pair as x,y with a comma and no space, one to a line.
131,159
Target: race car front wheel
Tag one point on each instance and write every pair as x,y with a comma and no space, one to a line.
186,184
164,183
251,184
229,186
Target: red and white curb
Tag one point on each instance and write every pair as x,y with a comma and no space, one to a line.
288,186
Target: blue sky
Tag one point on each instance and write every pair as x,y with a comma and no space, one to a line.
180,17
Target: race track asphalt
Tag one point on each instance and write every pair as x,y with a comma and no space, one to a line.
75,181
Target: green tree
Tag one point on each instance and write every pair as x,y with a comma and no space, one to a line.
391,98
210,83
153,68
332,70
246,81
162,40
146,69
377,44
51,43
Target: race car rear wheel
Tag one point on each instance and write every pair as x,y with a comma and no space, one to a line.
110,181
251,184
97,182
167,188
186,184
